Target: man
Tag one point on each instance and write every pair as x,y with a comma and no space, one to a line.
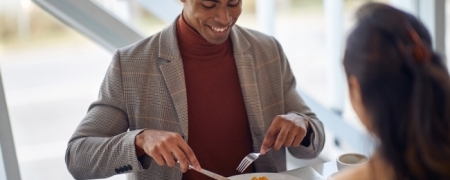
203,91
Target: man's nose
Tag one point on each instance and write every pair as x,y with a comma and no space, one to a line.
223,16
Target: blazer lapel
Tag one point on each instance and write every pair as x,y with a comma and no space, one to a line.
249,85
173,74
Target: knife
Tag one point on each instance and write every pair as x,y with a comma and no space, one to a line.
210,174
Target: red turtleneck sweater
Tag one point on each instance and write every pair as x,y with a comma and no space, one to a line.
219,132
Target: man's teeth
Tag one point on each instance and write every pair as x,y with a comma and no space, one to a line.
219,29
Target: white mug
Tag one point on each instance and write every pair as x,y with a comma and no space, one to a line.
350,159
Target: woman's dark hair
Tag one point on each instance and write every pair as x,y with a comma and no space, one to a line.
406,95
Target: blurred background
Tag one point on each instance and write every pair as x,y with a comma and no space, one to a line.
51,70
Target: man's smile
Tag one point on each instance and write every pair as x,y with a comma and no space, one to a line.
218,29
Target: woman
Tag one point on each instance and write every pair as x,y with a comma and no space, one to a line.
400,89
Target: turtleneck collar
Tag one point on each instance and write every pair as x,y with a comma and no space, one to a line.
189,40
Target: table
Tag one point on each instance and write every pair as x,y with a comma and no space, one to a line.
315,172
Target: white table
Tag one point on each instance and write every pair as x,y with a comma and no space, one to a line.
319,172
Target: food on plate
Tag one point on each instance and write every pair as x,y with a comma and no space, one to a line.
260,178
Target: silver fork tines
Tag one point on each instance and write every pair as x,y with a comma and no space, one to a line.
248,160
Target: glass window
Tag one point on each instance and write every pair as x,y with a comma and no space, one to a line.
51,74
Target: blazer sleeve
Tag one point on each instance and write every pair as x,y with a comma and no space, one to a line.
102,146
293,103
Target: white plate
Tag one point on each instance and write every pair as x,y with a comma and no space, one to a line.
270,176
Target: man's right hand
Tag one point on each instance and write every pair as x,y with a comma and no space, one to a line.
164,147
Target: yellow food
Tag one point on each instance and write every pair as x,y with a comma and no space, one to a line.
260,178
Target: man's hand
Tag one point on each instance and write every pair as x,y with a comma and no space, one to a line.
166,147
288,130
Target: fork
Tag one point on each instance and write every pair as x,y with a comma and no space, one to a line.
249,160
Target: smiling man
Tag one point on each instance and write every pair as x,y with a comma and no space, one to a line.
204,92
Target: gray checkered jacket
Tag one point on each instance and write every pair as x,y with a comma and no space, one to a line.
144,87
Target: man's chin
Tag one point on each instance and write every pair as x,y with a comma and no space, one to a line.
217,40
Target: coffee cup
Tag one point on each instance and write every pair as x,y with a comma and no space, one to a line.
350,160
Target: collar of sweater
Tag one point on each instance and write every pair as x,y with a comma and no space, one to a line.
191,43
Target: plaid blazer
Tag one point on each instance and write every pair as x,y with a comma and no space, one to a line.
144,87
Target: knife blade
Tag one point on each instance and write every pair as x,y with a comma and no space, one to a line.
210,174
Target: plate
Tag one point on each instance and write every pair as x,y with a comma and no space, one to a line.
332,176
270,176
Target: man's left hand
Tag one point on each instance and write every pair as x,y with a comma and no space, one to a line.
286,130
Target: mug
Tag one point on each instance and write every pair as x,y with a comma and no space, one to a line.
350,160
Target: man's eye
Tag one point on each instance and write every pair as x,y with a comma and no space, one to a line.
209,5
234,3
